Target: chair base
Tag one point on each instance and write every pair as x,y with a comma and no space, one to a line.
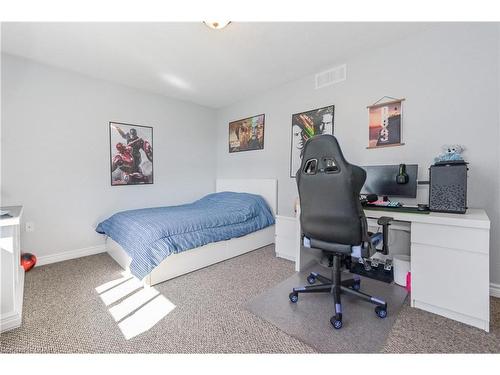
349,286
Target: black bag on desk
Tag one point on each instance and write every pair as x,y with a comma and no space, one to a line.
448,187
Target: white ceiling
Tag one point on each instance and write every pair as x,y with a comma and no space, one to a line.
191,62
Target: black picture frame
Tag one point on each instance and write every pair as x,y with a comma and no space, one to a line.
257,144
314,115
131,171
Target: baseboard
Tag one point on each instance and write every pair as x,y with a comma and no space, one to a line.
10,321
71,254
286,256
495,290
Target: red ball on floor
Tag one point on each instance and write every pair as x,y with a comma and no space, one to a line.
28,261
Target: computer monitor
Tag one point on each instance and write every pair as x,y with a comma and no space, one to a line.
381,180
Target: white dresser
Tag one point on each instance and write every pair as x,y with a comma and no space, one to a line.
12,277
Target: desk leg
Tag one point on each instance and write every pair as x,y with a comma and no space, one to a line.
298,245
305,257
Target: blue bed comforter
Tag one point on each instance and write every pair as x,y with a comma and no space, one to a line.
150,235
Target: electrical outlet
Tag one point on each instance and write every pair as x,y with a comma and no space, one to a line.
30,226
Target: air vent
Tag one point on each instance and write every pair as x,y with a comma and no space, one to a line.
331,76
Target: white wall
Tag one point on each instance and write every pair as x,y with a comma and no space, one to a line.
55,152
449,77
55,158
495,272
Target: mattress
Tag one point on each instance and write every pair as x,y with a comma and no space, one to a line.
150,235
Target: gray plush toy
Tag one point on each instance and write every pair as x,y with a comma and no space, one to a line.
450,152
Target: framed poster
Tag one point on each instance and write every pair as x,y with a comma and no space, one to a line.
247,134
131,154
384,124
306,125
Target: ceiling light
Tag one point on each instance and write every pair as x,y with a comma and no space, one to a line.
216,25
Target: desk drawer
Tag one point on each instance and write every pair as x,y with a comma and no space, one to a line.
469,239
451,279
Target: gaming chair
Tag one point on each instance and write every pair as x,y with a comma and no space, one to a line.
333,220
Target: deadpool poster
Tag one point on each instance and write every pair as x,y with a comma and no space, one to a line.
131,151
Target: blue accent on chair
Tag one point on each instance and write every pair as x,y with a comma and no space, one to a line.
307,242
376,238
356,251
338,308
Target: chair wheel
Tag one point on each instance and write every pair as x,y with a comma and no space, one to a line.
381,312
311,279
337,324
356,285
294,297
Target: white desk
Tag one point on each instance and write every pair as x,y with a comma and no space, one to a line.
449,263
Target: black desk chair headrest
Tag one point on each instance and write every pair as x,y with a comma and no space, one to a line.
329,188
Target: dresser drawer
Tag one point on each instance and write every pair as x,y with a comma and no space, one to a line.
469,239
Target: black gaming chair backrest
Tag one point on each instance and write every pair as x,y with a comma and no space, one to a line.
329,190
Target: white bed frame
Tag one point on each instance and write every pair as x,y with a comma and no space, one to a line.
200,257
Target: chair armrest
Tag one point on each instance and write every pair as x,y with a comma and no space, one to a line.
384,220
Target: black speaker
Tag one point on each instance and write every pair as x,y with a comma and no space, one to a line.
448,188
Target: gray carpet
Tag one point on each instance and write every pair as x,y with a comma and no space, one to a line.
309,319
63,313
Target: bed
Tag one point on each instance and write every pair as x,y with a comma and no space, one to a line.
193,259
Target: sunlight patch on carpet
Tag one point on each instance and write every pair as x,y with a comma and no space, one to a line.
135,307
132,303
146,317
